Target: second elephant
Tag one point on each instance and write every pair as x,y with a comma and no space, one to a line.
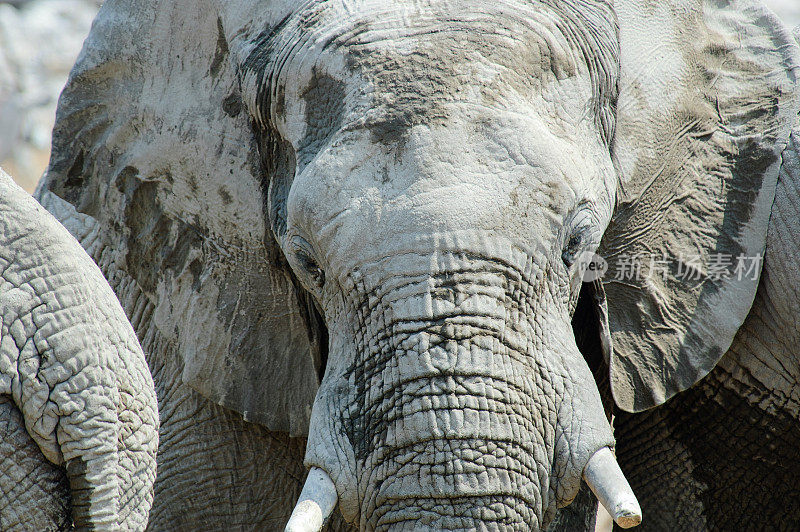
77,403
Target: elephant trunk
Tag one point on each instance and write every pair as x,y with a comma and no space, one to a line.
463,404
107,430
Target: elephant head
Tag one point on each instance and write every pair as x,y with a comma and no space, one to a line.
72,367
381,210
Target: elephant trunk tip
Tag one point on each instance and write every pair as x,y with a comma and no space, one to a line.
604,477
315,505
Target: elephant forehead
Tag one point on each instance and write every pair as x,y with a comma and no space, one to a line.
510,174
404,60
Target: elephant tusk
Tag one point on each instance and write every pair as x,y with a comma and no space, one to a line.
609,485
316,502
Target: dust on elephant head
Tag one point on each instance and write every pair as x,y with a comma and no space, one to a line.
380,209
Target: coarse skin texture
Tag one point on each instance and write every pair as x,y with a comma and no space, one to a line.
378,209
454,394
747,408
35,492
78,405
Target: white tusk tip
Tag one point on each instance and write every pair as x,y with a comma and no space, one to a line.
306,517
628,516
605,479
317,501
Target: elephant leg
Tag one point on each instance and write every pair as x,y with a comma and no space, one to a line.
216,470
34,493
580,515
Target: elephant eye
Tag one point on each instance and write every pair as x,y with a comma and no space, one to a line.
577,243
570,252
582,227
312,268
305,261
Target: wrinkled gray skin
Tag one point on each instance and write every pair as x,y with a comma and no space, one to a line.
77,406
733,434
379,208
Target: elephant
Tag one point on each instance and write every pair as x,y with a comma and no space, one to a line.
78,408
377,255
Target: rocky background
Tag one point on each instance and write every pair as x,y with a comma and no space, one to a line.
39,41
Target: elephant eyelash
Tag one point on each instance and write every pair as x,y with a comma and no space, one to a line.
573,246
570,250
315,273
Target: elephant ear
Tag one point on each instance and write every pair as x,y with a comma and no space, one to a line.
153,142
708,94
